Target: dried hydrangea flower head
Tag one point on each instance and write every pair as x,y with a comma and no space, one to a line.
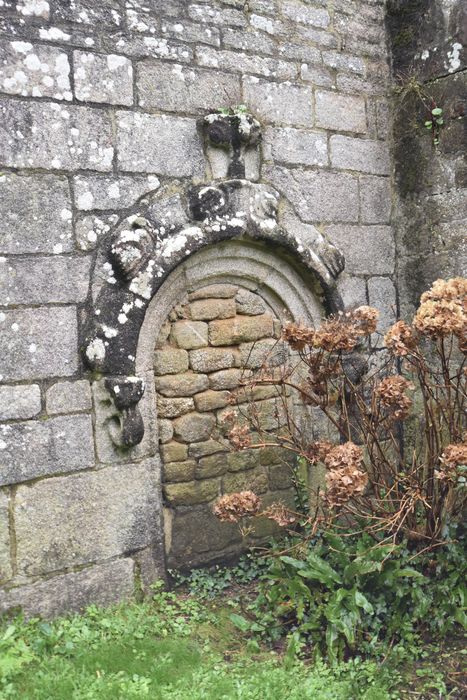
390,392
346,455
280,514
318,450
239,437
443,309
344,477
365,319
401,339
234,506
297,336
453,457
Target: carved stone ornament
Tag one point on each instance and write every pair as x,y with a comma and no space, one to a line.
145,249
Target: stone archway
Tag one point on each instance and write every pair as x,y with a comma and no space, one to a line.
231,231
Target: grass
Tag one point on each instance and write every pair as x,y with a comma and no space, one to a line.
174,647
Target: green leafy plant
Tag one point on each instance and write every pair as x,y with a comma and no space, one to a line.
434,123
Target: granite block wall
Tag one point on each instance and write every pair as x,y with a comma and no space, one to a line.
98,111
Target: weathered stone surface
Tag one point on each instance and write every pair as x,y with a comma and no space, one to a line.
5,561
90,229
209,447
68,397
38,71
271,353
240,329
340,112
39,448
104,192
280,477
352,290
210,400
179,471
382,295
245,63
209,14
315,17
190,334
57,520
255,480
42,224
39,280
101,584
55,136
271,414
170,361
179,88
240,461
194,427
360,154
344,62
209,309
106,13
369,250
166,430
212,359
174,452
319,195
249,304
173,407
185,384
36,343
316,74
212,465
191,492
274,455
31,8
21,401
297,146
158,144
103,78
216,291
225,378
375,200
278,103
197,537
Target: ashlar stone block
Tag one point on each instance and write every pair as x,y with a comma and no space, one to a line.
42,224
34,70
104,192
38,343
101,584
212,465
226,378
297,146
82,518
178,88
179,471
55,136
158,144
68,397
375,199
212,359
209,447
174,452
101,78
44,447
173,407
21,401
278,103
369,250
44,280
191,492
340,112
360,154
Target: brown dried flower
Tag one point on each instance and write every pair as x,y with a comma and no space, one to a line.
298,336
239,437
318,450
336,334
390,392
280,514
440,318
400,339
346,456
454,289
233,506
343,484
365,319
453,457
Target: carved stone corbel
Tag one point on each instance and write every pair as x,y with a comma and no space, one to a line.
126,392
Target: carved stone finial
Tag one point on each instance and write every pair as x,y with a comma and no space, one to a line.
231,143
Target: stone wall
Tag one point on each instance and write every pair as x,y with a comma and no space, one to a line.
205,354
428,41
99,106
